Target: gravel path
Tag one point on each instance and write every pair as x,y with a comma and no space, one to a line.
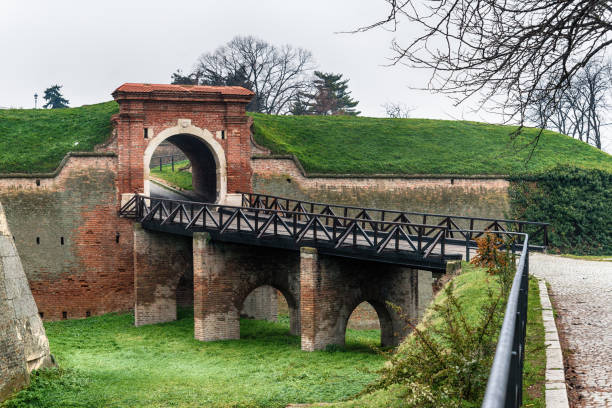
582,294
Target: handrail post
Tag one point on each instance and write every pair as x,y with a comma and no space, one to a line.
420,238
375,234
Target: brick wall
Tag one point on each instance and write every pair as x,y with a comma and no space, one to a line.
76,252
460,196
160,260
158,115
262,304
225,274
333,287
364,317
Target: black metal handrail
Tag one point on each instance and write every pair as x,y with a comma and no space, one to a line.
320,229
158,161
537,230
505,384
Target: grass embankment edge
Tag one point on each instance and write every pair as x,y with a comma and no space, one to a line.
470,288
597,258
35,141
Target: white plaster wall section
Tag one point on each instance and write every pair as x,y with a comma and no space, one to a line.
184,127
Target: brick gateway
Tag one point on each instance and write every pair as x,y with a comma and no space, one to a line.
81,259
323,279
209,124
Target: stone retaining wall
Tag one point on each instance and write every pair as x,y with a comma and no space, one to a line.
478,197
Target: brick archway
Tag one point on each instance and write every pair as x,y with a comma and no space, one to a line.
184,129
383,314
211,120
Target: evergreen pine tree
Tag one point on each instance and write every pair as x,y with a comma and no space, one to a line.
299,106
331,96
179,79
54,98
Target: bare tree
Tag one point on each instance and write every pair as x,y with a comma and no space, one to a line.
397,110
276,74
506,53
581,109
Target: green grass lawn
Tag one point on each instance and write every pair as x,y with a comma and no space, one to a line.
107,362
180,179
344,144
36,140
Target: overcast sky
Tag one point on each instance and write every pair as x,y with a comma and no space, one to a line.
92,47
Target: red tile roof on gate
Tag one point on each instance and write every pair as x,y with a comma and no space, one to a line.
224,90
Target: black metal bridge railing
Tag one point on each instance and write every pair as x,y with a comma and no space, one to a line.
391,241
505,383
461,230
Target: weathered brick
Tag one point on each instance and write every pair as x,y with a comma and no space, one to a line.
225,274
160,260
332,288
478,197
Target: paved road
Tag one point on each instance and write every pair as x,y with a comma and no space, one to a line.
159,192
582,292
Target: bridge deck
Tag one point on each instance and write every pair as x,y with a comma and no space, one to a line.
421,246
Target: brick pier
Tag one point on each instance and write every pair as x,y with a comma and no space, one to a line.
321,290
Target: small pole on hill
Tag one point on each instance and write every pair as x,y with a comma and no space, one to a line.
35,100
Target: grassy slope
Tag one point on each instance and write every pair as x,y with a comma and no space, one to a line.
180,179
412,146
106,361
36,141
471,288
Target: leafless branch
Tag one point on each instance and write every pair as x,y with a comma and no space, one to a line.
505,53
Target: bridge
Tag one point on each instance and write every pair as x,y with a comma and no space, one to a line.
325,259
347,255
353,232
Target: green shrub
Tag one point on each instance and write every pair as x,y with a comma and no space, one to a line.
577,202
446,360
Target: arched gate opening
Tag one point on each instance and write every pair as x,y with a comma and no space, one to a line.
205,157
